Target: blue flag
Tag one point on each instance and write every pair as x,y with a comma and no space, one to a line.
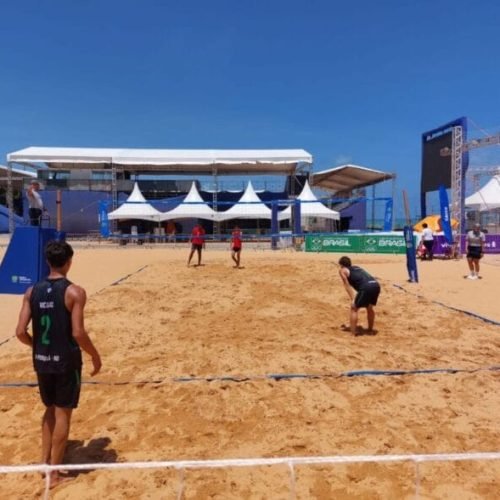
388,215
445,214
103,219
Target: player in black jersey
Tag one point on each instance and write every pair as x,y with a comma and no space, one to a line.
367,289
55,307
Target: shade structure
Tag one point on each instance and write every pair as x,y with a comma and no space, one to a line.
487,198
196,161
249,206
192,207
345,178
136,207
310,206
434,223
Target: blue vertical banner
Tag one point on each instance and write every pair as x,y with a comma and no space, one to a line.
296,215
445,214
388,215
103,218
411,255
275,228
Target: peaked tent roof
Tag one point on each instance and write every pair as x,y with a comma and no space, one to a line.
348,177
136,207
192,207
196,161
487,198
249,206
311,206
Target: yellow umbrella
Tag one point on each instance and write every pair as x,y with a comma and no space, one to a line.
434,223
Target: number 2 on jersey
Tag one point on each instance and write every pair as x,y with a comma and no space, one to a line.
45,323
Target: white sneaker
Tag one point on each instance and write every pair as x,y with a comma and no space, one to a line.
472,277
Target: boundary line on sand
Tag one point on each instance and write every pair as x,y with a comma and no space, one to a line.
276,376
469,313
114,283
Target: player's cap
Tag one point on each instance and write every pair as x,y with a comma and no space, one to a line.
34,181
477,224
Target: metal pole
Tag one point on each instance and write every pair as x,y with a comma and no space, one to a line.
393,201
373,207
10,197
457,208
407,208
114,194
215,225
58,210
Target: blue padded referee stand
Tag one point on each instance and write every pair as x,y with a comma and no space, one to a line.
24,261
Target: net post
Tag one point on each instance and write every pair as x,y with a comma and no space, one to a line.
180,491
417,480
293,493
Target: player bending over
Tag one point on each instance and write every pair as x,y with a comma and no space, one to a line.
367,289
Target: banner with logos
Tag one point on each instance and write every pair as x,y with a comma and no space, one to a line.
491,245
356,243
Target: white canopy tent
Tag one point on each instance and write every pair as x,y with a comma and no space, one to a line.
487,198
249,206
136,207
311,207
192,207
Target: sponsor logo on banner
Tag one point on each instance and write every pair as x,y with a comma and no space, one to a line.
22,280
337,242
393,242
357,243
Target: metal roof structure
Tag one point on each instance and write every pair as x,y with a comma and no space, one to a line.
345,178
171,161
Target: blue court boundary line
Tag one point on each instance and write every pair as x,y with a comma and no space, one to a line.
114,283
469,313
280,376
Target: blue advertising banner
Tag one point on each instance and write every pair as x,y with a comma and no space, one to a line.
103,218
388,216
24,261
411,256
445,214
275,226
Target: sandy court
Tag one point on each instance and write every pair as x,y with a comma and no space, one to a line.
281,314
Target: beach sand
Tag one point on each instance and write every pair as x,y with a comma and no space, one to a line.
281,314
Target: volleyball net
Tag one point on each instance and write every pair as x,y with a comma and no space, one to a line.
290,462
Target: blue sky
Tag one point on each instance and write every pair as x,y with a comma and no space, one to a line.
347,81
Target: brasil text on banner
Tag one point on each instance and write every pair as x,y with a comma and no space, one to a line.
356,243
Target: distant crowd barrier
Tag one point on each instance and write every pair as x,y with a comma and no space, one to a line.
491,245
384,243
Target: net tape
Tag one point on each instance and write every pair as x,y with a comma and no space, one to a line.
290,462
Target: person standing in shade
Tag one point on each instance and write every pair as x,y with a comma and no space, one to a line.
35,203
428,241
367,288
197,243
236,244
55,307
475,244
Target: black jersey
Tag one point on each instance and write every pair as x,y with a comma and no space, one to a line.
54,348
358,278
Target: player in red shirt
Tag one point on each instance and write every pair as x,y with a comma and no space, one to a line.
197,242
236,244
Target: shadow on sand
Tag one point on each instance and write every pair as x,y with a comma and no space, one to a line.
95,451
